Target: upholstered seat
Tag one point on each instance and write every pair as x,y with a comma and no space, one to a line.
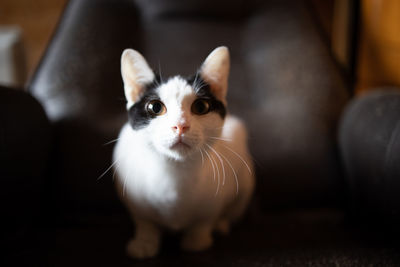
284,84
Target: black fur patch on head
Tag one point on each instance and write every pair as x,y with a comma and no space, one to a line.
203,91
137,114
139,117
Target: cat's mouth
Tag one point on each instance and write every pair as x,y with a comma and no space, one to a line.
180,144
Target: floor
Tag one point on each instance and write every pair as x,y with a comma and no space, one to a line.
37,19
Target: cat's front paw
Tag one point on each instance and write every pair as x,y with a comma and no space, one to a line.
142,249
196,241
223,227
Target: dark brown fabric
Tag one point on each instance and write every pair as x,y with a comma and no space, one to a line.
370,150
283,84
25,147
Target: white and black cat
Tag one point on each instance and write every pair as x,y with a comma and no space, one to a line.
182,161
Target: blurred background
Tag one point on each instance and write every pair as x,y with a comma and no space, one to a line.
323,156
364,36
26,28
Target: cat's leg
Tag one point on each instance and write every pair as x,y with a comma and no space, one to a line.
223,226
146,242
236,209
198,237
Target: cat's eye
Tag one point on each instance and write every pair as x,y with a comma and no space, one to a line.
200,107
156,108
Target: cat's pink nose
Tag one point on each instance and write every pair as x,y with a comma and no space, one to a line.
181,128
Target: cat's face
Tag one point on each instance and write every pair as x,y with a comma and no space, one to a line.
178,116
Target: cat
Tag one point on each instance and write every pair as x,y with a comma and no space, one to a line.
181,160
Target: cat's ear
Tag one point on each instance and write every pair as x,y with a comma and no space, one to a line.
136,73
215,71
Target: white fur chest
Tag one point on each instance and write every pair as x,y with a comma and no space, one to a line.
171,193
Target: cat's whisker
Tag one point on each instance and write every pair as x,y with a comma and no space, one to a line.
198,84
195,81
215,164
202,157
212,163
124,186
156,81
220,138
110,142
218,172
218,128
109,168
222,162
117,165
218,177
234,173
125,182
240,157
198,88
115,171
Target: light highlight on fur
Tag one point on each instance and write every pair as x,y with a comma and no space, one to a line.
195,181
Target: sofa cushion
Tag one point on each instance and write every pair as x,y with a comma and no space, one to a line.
283,84
195,8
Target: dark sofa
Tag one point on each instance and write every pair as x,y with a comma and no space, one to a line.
283,83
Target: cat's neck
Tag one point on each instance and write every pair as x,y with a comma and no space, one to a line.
191,162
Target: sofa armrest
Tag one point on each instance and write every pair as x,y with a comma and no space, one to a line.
79,76
79,84
370,147
25,145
